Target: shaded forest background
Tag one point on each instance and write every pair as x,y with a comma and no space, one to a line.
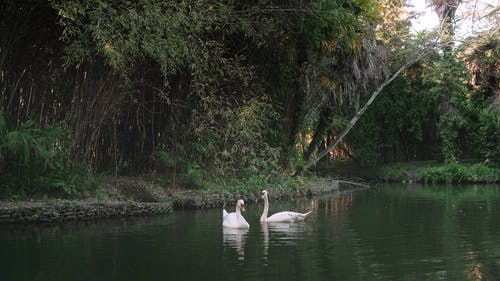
206,90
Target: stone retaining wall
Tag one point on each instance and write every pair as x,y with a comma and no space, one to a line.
79,211
36,212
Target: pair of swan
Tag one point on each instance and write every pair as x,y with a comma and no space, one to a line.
236,220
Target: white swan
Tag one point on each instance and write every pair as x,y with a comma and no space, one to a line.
235,220
285,216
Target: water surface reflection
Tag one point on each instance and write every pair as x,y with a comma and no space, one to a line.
392,232
235,238
281,233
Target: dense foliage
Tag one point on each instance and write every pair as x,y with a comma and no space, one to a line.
435,172
436,110
33,159
210,90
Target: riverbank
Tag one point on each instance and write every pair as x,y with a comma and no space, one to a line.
433,172
418,172
124,197
128,196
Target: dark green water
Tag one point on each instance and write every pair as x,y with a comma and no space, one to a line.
383,233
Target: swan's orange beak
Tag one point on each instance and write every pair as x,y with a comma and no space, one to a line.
243,208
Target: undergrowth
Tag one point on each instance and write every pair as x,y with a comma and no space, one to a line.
432,172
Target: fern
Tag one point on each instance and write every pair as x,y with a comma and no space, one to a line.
33,160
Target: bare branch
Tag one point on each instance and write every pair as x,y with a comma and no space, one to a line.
374,95
356,117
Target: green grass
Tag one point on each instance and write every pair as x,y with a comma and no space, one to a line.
432,172
255,184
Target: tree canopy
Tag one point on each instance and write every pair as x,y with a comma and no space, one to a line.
209,89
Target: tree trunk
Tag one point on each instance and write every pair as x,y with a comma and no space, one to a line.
354,120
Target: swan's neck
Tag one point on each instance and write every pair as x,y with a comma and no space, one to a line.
238,211
263,218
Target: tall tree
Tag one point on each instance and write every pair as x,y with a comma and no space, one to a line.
346,61
445,10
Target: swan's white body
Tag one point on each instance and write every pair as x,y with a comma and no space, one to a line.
285,216
235,220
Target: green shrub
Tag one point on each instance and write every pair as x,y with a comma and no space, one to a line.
239,147
451,172
489,134
33,160
195,175
484,173
455,172
190,173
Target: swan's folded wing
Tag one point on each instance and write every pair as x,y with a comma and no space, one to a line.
287,216
283,217
304,216
224,213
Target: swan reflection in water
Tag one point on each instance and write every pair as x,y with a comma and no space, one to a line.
281,233
235,238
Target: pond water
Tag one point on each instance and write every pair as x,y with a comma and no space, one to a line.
389,232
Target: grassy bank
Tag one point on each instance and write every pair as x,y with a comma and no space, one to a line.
122,197
212,194
433,172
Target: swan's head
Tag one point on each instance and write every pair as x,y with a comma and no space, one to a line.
241,204
264,194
